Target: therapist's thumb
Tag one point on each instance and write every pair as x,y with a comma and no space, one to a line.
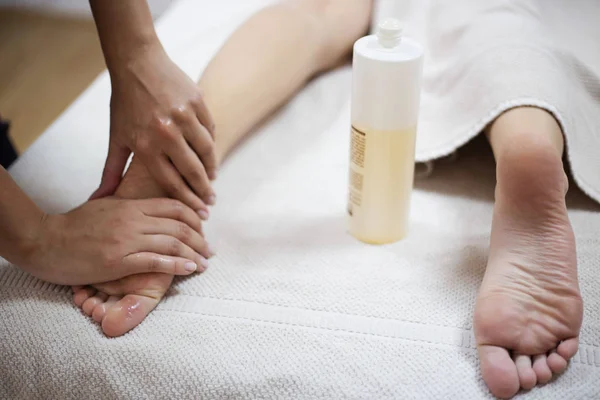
113,171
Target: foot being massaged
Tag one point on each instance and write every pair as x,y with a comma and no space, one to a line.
121,250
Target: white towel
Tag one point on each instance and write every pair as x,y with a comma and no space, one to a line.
292,306
484,57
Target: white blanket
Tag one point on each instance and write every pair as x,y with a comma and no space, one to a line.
292,306
484,57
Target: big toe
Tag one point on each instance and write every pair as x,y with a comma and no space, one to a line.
499,371
127,313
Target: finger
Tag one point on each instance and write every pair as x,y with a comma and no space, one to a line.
189,165
203,144
204,115
169,179
181,231
151,262
113,170
172,209
171,246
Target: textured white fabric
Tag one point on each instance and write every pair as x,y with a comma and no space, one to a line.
292,306
484,57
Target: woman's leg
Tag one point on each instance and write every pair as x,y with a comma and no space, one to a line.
258,69
279,49
529,310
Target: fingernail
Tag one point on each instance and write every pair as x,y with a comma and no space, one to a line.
203,214
204,262
211,200
190,266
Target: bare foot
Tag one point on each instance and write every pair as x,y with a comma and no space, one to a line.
121,305
529,309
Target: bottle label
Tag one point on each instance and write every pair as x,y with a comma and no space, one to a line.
357,161
380,182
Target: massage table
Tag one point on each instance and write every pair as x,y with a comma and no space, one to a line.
292,307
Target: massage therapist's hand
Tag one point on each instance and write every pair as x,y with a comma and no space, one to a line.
156,110
110,238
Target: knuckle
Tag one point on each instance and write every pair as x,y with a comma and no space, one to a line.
198,98
174,189
109,262
184,232
195,175
163,127
143,145
112,242
154,264
180,112
175,247
178,209
164,203
176,204
173,204
112,260
207,148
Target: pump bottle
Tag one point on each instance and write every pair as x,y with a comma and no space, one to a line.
386,86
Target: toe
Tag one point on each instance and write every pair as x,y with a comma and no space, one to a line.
542,371
89,305
76,289
499,371
127,313
568,348
556,363
527,377
100,309
82,295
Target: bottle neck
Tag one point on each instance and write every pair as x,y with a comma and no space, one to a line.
389,43
389,33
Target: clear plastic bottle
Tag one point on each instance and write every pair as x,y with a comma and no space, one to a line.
387,71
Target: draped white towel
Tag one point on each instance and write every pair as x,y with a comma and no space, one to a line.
292,306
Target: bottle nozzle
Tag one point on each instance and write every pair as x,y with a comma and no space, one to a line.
389,33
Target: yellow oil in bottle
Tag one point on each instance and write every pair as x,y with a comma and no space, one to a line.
380,183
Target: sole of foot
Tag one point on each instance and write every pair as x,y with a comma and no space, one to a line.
529,309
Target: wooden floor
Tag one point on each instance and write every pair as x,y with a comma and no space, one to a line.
45,63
